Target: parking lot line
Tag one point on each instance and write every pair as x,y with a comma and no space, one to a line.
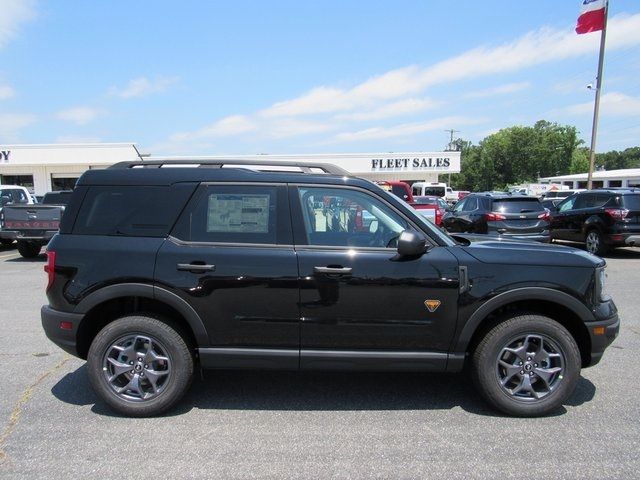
10,255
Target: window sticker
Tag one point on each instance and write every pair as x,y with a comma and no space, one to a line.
238,213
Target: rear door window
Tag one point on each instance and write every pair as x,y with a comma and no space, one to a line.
238,214
517,205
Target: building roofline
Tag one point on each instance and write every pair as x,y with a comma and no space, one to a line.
68,145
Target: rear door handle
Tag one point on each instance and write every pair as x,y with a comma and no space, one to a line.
196,267
333,270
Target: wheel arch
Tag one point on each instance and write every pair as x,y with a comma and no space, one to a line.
559,306
114,301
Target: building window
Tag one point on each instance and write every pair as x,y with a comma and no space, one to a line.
63,183
582,185
615,183
598,184
22,180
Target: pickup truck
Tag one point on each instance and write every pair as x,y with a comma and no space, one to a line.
33,225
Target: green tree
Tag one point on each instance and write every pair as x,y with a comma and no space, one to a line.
580,161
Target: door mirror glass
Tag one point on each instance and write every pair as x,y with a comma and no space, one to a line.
373,226
411,244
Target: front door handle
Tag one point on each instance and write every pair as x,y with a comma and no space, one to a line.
333,270
196,267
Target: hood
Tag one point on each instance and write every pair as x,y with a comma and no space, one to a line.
513,252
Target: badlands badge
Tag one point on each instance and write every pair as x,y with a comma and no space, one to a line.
432,305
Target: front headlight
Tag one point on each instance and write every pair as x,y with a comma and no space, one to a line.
601,282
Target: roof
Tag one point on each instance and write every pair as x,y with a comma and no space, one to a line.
598,175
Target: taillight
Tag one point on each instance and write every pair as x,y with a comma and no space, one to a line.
544,216
50,268
617,213
439,214
494,217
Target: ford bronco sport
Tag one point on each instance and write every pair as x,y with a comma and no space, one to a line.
156,271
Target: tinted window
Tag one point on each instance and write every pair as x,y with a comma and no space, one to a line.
57,198
517,205
19,196
133,211
348,218
437,191
460,206
231,214
399,191
567,204
631,202
472,204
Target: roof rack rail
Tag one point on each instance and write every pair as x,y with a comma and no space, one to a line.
305,167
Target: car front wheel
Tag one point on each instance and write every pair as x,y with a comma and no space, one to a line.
140,365
526,366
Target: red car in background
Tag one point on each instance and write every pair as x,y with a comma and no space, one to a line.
431,202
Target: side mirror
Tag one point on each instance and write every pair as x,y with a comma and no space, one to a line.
411,244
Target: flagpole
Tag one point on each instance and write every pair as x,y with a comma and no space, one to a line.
596,107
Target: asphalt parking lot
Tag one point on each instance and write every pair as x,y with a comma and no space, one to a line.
289,425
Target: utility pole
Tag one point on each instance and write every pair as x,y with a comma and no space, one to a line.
450,147
452,132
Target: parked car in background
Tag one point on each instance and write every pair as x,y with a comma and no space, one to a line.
601,219
503,215
32,226
402,190
431,207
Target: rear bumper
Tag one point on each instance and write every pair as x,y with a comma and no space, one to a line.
26,235
64,338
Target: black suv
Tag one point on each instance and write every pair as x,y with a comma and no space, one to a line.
601,219
516,217
157,270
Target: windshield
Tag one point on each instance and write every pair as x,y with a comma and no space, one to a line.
426,200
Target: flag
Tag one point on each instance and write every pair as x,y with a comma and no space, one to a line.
591,17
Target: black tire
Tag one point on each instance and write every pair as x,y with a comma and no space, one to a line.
29,249
154,397
6,241
494,363
594,243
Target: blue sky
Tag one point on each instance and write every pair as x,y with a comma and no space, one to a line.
244,77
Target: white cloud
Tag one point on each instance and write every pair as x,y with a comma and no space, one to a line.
542,46
405,130
612,104
80,115
499,90
142,87
393,93
232,125
12,123
6,92
394,109
14,14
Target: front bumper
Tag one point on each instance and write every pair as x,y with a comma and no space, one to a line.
603,331
64,338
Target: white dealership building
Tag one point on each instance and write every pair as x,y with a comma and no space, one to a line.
43,168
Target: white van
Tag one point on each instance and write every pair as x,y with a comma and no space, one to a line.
420,189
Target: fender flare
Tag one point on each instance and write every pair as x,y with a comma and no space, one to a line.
518,294
112,292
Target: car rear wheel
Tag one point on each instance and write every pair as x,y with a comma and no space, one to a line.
595,243
140,365
526,366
